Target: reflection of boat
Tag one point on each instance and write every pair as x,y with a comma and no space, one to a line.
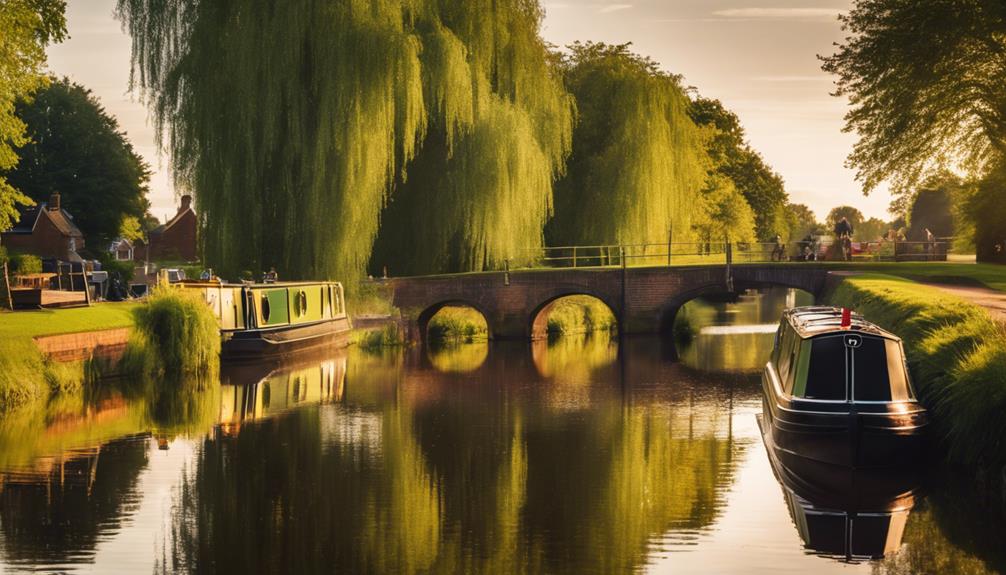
280,391
263,320
836,390
846,513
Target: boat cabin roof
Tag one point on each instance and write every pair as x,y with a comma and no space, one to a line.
812,321
276,285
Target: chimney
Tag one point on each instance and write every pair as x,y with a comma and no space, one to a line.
186,203
54,202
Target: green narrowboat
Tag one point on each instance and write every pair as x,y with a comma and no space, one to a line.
266,320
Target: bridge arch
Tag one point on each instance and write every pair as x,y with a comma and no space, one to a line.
424,317
538,321
669,311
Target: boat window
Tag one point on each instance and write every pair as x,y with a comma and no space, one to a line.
880,373
871,378
826,371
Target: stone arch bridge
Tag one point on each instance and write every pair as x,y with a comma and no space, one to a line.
644,300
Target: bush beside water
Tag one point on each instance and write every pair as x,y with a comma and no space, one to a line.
957,356
27,375
458,324
579,315
175,334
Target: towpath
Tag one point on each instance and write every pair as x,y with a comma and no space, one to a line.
992,300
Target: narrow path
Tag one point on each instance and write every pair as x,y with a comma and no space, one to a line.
994,301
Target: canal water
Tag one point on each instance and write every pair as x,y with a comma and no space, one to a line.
572,456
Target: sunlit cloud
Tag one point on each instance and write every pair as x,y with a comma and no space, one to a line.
796,79
825,14
614,8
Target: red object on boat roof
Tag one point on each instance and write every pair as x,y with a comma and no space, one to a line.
846,318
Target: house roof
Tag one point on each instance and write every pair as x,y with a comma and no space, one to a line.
164,227
59,218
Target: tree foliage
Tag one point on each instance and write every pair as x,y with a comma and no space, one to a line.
76,148
293,122
926,82
850,213
638,161
723,214
802,221
734,158
26,28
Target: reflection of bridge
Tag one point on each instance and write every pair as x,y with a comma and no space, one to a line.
643,299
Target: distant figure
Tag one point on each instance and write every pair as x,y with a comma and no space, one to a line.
206,275
779,250
930,244
843,231
843,228
270,277
807,252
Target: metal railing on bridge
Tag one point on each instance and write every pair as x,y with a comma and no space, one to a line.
706,253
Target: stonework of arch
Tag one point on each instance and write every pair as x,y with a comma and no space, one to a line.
640,298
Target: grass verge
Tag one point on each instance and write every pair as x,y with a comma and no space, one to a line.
957,356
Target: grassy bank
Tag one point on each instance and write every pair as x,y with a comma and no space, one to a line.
957,356
25,373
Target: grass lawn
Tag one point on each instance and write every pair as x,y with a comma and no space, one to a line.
989,275
26,324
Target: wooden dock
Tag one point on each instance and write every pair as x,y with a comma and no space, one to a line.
34,298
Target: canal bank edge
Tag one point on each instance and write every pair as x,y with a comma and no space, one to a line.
957,357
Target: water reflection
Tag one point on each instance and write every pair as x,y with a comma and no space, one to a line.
845,513
733,334
572,456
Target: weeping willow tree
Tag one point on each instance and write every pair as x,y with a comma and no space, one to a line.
480,189
638,161
292,122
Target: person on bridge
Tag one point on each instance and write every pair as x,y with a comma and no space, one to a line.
843,229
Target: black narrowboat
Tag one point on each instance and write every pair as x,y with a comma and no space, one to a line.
844,513
837,391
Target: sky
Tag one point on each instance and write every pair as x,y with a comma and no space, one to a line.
759,57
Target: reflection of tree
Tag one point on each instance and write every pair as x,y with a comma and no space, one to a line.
281,497
947,533
60,509
422,471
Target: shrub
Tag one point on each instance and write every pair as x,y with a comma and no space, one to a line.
176,335
113,266
578,315
457,324
24,264
373,339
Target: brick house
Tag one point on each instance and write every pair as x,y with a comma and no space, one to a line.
45,230
175,240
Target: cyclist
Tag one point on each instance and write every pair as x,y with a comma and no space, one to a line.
843,231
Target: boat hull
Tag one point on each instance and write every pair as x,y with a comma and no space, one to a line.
845,434
277,342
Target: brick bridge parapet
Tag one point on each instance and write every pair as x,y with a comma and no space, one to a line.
644,299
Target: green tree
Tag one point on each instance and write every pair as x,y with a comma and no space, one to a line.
734,158
872,229
77,148
850,213
724,213
931,210
293,122
26,28
638,161
925,80
802,221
